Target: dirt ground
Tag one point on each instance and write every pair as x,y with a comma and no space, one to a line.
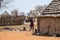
23,35
26,25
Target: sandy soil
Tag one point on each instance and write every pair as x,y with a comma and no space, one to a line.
23,35
26,25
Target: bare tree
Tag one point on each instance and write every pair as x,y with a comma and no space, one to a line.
39,9
3,3
22,14
15,12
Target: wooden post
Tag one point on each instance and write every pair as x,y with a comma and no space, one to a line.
38,25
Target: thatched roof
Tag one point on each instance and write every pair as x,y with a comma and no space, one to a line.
52,8
32,13
5,14
49,16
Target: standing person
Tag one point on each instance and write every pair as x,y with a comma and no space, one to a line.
31,24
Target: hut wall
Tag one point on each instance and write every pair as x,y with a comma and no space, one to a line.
52,22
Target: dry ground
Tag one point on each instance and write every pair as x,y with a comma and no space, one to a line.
26,25
23,35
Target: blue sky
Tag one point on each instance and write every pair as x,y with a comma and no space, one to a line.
25,5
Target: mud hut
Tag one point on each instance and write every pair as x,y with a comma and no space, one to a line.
49,21
33,15
14,19
5,18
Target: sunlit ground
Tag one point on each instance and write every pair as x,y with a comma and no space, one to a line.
26,25
27,35
23,35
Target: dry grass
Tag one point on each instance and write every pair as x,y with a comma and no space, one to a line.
21,26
